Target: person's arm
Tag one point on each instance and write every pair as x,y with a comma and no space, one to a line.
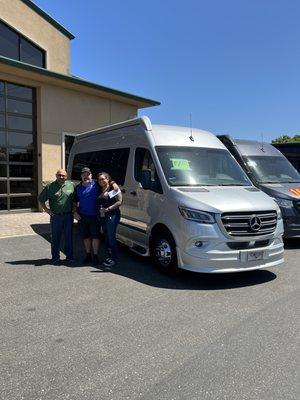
75,205
43,197
118,197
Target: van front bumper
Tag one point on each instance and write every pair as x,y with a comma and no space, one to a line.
221,259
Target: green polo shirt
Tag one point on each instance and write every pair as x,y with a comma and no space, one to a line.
60,197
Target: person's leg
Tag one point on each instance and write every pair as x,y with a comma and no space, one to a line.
56,224
111,228
87,245
68,231
86,237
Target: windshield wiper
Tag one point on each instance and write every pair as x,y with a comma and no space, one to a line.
232,184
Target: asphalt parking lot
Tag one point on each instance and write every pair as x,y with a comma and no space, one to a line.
132,333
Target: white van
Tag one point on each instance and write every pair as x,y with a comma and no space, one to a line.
186,201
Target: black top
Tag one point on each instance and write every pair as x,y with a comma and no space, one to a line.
105,201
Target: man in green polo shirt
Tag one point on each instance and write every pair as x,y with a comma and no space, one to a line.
59,194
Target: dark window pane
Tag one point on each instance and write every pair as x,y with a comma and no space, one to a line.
2,138
21,155
2,120
21,171
2,103
31,54
3,170
19,91
1,87
3,154
22,202
21,187
20,139
22,123
3,203
9,42
3,187
18,106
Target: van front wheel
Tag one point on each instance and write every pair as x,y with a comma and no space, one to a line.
164,253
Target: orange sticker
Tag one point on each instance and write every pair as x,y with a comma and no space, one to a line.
295,191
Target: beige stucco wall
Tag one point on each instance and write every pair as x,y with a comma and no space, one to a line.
22,18
64,110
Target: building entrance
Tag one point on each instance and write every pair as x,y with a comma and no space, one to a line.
18,166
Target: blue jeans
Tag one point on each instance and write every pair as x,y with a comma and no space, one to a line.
61,224
110,229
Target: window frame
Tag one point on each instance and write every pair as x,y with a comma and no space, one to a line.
33,44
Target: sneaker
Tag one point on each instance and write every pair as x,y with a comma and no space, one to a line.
109,262
55,261
87,259
95,261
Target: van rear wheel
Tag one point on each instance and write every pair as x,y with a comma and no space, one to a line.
164,254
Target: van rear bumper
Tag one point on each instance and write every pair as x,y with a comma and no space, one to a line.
232,261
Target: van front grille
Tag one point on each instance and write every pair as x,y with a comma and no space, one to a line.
250,224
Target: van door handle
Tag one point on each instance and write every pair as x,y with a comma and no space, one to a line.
133,193
123,190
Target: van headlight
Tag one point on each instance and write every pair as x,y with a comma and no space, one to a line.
197,216
283,202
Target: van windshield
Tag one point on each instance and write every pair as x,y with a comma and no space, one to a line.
269,169
197,166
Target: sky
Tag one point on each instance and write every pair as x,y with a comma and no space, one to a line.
233,65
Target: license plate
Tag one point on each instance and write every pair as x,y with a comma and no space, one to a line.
255,255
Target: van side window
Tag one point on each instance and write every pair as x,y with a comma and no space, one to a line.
144,166
112,161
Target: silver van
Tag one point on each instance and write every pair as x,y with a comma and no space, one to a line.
186,201
271,172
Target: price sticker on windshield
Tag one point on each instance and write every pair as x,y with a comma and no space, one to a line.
295,191
180,164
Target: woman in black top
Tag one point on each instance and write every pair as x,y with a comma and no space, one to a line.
108,203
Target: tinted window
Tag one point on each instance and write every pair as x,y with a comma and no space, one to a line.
21,123
3,171
22,92
14,45
3,203
30,54
20,155
22,202
2,138
114,162
21,171
20,139
2,120
3,154
3,187
19,106
9,42
144,162
21,187
2,103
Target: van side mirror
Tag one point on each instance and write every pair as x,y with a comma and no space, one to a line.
146,179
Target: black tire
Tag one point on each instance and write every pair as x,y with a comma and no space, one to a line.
163,253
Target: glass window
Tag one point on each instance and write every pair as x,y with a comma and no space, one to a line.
2,120
3,154
3,187
21,171
19,91
272,169
22,202
20,139
197,166
18,106
114,162
2,103
31,54
144,162
21,155
1,87
21,186
20,123
3,171
9,42
3,203
2,138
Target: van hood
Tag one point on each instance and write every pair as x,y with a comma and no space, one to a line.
219,199
282,190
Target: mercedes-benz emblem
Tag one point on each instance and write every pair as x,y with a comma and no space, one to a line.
255,223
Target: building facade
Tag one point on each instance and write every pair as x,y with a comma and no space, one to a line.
42,106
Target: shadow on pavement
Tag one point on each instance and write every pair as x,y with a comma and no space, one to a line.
291,244
142,270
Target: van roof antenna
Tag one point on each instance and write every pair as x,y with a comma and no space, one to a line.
262,142
191,128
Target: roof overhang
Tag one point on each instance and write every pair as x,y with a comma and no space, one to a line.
43,75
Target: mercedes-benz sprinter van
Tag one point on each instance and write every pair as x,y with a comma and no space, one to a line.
186,201
271,172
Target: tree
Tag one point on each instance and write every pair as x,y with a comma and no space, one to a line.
287,139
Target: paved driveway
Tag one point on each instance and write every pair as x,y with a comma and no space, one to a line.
132,333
